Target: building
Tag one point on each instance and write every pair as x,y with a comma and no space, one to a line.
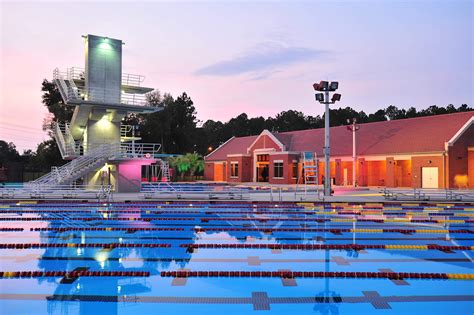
428,152
102,150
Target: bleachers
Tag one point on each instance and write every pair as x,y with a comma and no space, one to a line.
420,194
30,191
188,190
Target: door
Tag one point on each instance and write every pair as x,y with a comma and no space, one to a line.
345,177
429,177
218,172
262,172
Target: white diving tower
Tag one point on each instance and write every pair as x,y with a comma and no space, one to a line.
101,149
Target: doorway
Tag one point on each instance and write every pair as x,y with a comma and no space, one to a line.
262,172
429,177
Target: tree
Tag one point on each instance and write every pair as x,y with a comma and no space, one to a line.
8,153
52,99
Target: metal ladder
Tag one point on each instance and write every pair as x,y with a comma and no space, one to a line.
165,171
310,172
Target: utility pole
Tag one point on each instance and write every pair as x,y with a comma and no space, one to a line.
323,98
353,127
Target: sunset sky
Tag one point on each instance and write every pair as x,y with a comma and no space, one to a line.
255,57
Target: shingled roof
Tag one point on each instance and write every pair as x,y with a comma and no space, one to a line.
404,136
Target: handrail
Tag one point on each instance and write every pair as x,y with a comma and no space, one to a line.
77,73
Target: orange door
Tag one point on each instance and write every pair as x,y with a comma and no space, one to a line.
218,172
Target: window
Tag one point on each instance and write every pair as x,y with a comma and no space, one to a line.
278,169
234,169
294,170
263,158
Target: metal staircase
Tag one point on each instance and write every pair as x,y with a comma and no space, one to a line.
67,88
68,173
68,147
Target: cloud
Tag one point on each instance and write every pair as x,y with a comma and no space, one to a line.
262,61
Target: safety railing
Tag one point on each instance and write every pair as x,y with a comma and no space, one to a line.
425,194
76,168
137,150
45,191
68,147
183,191
128,79
69,91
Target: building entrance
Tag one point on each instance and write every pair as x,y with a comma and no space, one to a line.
262,172
263,162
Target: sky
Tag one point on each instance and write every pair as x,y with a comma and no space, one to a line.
257,57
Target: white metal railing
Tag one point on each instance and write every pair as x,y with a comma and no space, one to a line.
45,191
68,147
70,92
425,194
181,191
138,150
128,79
76,168
94,158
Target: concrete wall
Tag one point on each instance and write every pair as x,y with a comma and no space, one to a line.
103,69
129,174
101,130
100,176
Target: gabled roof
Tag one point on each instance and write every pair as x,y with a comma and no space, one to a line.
404,136
235,145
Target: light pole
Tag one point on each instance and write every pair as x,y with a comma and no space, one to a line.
353,127
323,98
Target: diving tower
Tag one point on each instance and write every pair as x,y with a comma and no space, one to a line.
102,150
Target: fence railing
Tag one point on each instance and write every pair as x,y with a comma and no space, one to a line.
77,73
42,191
425,194
184,191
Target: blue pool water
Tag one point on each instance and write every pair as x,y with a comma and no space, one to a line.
180,226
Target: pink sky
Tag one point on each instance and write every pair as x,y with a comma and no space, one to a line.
244,57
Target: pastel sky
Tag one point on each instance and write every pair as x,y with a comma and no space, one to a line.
255,57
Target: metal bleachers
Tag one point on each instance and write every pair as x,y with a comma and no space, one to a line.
420,194
189,191
101,193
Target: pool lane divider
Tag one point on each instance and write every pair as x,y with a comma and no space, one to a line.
74,245
337,231
355,247
71,274
316,274
102,229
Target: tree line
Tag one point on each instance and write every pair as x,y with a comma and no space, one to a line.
179,131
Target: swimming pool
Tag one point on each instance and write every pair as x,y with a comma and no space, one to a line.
235,258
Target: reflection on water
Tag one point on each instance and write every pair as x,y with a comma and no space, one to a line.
125,291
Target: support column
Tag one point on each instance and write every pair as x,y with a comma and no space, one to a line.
390,172
338,172
362,175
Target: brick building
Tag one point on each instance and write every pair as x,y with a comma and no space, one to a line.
428,152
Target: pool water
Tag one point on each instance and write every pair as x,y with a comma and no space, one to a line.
175,258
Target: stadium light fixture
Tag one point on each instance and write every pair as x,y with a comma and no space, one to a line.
323,98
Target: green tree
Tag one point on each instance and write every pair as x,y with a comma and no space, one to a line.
52,99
